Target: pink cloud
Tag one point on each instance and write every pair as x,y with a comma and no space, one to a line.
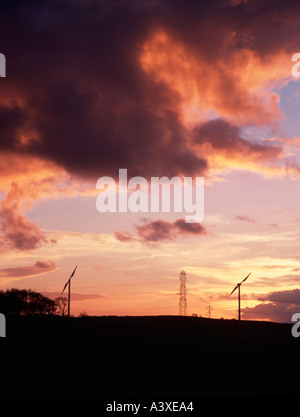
17,232
157,231
40,267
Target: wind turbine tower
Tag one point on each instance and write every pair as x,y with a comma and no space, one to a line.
182,294
238,286
68,283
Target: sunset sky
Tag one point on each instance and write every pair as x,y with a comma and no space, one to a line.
160,88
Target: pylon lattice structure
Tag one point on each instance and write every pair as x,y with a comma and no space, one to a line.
208,311
182,294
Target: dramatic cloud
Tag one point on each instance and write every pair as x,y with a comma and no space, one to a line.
225,137
290,296
223,144
221,79
135,84
16,231
276,306
40,267
12,122
97,115
160,230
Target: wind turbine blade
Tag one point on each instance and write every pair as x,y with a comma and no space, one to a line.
64,287
71,275
233,290
69,279
73,272
246,278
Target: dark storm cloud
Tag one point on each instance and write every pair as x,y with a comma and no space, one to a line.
12,121
226,138
90,140
288,296
90,107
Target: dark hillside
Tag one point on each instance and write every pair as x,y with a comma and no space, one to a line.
147,357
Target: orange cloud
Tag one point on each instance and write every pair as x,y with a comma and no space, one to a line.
17,232
236,84
39,178
224,147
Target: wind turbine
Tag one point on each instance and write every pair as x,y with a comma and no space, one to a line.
69,290
238,286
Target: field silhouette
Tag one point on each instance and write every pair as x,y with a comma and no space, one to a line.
146,357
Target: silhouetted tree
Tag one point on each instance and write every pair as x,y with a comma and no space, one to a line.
25,302
13,301
61,305
39,304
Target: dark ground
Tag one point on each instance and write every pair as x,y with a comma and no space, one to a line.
147,357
